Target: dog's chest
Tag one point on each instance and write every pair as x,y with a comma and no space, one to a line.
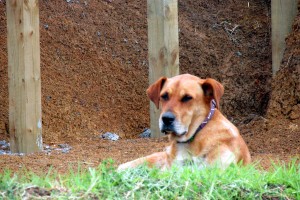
184,156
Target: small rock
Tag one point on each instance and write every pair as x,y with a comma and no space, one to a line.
63,146
4,145
2,152
3,142
46,26
110,136
146,133
239,53
48,98
47,149
65,150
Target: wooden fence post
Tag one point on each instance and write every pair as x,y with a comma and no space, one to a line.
25,122
163,47
283,15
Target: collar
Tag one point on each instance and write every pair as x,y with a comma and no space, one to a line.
206,120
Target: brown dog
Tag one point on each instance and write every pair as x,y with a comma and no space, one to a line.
197,129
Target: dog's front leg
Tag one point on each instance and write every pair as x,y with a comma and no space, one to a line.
160,160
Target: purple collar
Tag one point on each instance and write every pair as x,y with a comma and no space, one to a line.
207,119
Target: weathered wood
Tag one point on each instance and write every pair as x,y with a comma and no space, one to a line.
163,47
25,122
283,15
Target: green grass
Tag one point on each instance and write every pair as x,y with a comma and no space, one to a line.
283,182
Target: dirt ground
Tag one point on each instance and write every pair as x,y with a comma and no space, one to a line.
95,72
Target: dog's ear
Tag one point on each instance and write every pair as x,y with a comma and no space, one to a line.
153,91
213,90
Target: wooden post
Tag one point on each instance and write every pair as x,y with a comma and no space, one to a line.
283,15
163,47
25,122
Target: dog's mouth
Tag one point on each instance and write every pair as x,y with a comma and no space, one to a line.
168,132
171,126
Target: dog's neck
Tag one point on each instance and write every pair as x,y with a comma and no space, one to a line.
206,120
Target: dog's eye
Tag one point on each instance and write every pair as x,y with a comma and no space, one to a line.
186,98
165,96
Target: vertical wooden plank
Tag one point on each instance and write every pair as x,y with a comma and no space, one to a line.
25,122
283,15
163,47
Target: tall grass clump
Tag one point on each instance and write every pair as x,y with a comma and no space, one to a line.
189,182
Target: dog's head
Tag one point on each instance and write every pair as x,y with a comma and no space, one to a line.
185,103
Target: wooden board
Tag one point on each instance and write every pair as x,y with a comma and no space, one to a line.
163,47
25,122
283,15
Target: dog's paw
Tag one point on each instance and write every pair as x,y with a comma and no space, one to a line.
123,166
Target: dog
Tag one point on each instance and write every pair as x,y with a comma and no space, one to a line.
197,130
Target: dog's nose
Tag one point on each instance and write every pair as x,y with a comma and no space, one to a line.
168,118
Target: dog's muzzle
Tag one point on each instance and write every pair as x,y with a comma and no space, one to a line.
168,124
